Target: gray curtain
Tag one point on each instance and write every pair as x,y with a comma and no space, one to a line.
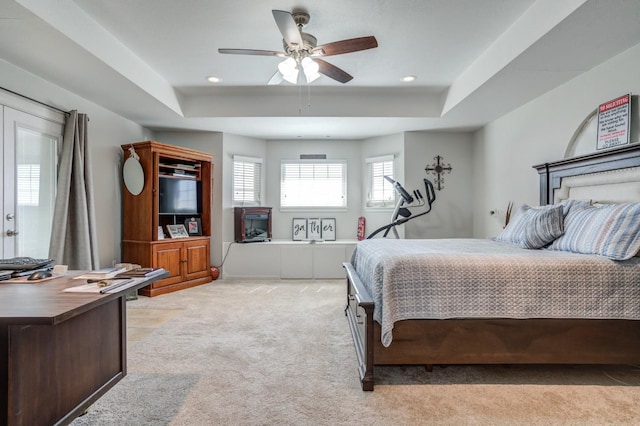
73,236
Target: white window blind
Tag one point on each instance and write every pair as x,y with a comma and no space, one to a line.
313,183
28,184
247,180
380,192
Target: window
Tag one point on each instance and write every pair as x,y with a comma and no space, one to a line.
247,181
313,183
380,192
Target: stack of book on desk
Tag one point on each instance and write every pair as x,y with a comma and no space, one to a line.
124,278
115,283
100,274
141,273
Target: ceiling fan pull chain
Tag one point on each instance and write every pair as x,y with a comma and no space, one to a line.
309,98
300,100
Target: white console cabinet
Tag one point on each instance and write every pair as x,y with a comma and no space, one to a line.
287,259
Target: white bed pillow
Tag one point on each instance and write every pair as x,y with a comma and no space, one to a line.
611,231
534,228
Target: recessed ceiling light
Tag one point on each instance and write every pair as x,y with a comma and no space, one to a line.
214,79
409,78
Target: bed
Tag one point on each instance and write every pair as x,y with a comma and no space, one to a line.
530,306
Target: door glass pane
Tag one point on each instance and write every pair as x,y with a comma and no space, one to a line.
35,191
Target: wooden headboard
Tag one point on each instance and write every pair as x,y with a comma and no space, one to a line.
552,174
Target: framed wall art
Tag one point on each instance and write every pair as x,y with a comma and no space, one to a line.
314,229
328,229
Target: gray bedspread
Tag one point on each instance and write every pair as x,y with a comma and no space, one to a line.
477,278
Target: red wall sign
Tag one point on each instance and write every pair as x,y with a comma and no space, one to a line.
613,122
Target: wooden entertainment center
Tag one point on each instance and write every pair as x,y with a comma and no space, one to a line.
145,216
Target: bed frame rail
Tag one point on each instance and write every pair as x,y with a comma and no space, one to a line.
359,312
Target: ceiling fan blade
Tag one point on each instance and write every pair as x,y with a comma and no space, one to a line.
345,46
287,26
252,52
276,78
332,71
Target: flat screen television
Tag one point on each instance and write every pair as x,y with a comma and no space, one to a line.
179,196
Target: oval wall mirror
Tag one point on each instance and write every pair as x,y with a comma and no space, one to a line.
133,176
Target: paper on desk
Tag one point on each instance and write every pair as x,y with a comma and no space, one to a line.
86,288
94,288
102,273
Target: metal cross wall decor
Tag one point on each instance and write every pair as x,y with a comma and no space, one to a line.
438,169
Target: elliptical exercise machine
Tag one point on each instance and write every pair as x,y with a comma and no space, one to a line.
401,213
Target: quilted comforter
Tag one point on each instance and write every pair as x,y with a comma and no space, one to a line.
476,278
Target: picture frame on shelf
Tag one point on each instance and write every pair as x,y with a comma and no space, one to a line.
193,226
328,229
177,231
299,229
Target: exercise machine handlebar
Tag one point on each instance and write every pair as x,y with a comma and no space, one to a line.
404,211
400,190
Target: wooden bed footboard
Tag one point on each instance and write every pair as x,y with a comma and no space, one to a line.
484,341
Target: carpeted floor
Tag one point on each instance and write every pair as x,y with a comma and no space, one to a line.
280,353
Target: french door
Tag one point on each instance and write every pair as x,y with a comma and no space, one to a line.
29,169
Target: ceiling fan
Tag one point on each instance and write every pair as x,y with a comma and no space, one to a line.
303,53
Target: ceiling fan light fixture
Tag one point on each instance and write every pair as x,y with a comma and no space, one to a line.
289,70
301,46
310,68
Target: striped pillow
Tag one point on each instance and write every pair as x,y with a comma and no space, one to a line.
611,231
543,227
533,227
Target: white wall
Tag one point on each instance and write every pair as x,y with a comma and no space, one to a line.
374,147
238,145
346,221
505,150
452,213
106,132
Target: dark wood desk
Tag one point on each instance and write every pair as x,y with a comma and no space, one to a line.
59,351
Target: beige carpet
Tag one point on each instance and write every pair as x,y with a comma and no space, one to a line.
280,353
